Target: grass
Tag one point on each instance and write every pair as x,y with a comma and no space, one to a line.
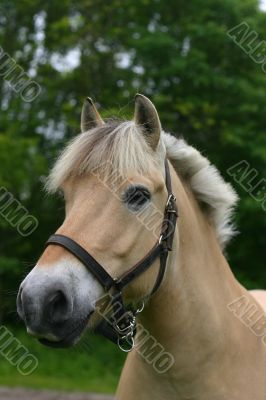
93,366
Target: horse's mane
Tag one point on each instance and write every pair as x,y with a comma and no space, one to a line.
122,147
210,189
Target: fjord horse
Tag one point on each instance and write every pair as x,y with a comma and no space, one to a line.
214,329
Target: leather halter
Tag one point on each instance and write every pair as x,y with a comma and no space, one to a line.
122,326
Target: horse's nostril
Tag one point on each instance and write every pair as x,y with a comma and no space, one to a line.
59,307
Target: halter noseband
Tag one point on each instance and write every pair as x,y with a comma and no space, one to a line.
122,327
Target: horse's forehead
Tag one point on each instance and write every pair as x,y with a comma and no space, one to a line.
97,184
153,180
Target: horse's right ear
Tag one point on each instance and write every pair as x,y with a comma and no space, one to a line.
146,117
90,118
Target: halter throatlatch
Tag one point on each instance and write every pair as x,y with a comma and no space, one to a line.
120,328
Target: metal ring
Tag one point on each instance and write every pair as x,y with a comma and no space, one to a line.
141,308
121,344
161,239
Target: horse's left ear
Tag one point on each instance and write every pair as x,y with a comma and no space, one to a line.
147,118
90,118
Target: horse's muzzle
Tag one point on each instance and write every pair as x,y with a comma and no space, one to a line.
50,315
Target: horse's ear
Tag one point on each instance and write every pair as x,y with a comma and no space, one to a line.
90,118
147,118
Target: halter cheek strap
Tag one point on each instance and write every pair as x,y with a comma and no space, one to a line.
125,329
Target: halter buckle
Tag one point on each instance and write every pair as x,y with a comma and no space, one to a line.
128,327
169,204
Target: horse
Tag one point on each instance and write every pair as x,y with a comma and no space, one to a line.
138,196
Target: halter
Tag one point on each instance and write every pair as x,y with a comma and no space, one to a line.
121,328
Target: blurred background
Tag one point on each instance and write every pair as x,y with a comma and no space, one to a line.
206,87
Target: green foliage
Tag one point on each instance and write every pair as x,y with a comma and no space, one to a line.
94,367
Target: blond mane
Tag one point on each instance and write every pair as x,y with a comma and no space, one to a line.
122,145
209,187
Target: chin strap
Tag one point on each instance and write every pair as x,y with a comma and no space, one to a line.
121,327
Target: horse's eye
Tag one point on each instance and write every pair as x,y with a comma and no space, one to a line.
135,197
